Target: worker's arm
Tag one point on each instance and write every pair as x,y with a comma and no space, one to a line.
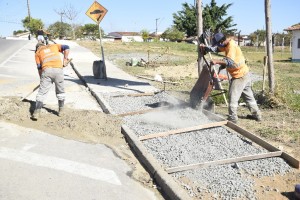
38,64
65,50
206,49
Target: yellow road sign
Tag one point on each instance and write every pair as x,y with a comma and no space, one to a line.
96,12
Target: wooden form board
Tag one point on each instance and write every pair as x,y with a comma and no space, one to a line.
291,160
224,161
183,130
136,94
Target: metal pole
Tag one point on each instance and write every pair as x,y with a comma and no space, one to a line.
102,51
156,26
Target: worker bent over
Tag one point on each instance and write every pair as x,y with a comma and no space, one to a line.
50,68
240,84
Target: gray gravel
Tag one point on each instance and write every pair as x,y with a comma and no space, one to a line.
230,181
160,121
125,104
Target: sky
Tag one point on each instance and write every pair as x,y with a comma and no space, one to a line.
136,15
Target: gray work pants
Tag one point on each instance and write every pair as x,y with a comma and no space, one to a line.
48,77
241,87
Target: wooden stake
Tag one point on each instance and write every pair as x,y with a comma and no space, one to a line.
264,73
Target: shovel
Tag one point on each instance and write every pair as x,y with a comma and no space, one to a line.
34,89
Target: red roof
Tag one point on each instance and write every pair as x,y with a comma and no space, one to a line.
293,28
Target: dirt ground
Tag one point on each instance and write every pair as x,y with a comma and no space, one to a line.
104,129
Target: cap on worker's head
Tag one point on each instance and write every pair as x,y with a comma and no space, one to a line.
218,37
38,45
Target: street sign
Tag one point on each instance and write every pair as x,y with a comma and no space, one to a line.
96,12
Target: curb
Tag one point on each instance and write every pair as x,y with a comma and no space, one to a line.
169,187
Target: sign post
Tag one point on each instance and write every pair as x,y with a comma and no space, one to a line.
97,12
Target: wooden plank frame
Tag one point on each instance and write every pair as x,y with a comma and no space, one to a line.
136,94
224,161
182,130
291,160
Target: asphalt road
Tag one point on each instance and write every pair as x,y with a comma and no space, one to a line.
9,47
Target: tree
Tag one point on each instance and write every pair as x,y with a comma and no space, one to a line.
185,20
91,31
213,19
173,34
60,29
145,34
71,14
258,37
32,24
19,32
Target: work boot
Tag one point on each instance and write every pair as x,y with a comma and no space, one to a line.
61,107
232,114
255,116
37,111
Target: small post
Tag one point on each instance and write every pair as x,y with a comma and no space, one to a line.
102,51
264,73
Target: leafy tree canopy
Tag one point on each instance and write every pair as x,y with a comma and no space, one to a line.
214,19
32,24
60,29
173,34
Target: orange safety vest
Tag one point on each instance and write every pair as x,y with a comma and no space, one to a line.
49,56
234,52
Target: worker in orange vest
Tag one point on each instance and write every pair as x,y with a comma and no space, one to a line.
50,68
240,84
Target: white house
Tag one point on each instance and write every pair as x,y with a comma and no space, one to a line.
295,42
126,36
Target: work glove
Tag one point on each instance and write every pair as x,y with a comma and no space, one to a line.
202,49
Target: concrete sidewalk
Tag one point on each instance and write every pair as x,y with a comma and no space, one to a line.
117,80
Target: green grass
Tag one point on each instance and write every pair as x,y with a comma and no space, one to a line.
287,74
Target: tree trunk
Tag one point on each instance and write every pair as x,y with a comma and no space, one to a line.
269,46
200,32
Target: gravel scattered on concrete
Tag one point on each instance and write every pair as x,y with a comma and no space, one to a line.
125,104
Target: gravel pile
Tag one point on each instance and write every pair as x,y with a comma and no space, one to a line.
228,181
120,103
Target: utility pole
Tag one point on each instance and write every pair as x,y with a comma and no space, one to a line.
269,46
199,33
28,10
61,13
156,26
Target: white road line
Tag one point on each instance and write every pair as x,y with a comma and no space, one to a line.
80,169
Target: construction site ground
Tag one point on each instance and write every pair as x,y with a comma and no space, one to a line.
278,121
106,130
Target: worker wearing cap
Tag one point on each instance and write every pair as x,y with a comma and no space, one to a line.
50,68
240,84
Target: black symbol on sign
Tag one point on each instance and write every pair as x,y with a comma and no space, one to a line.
96,12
